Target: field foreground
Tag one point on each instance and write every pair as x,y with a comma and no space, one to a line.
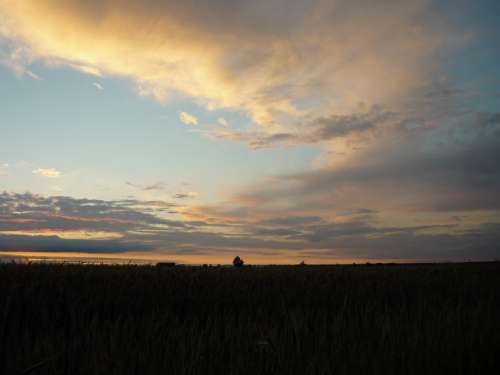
384,319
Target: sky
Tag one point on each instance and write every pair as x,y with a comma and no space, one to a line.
324,131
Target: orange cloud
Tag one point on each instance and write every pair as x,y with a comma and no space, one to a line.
47,172
317,58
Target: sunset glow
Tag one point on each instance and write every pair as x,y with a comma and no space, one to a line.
274,130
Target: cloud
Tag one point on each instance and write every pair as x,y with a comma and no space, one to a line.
30,212
311,63
32,75
47,172
292,220
398,196
30,222
4,169
57,244
157,186
188,119
222,121
190,194
401,144
14,58
317,130
87,69
98,86
448,168
162,187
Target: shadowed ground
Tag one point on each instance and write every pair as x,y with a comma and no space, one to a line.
384,319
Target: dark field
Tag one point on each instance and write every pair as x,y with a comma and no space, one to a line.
413,319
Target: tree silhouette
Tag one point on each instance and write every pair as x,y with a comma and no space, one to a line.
238,262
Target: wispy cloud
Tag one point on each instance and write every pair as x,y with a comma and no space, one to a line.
222,121
98,86
17,59
4,168
188,118
47,172
157,186
85,68
190,194
33,75
317,130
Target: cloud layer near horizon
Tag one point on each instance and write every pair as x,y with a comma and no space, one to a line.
32,223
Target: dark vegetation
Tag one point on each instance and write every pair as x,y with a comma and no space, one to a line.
414,319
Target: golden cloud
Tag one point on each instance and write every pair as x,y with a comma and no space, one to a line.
188,118
47,172
277,61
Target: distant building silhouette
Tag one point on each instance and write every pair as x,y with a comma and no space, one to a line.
238,262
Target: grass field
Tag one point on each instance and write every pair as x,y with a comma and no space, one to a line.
379,319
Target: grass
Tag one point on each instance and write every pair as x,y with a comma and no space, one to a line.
384,319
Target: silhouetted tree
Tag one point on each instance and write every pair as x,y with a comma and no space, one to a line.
238,262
